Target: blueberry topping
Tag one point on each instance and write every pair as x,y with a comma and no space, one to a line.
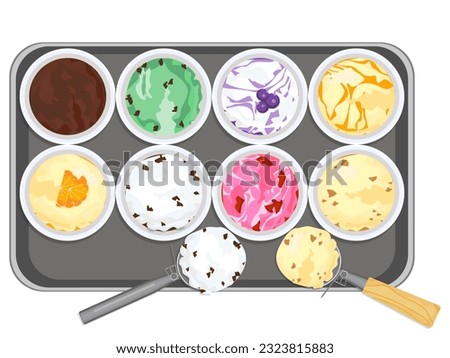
262,107
262,94
272,101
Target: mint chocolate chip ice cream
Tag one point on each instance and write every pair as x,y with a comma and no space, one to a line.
163,96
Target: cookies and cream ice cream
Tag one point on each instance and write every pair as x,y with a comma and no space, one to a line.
67,193
163,192
260,193
260,96
307,257
212,259
356,96
363,199
163,96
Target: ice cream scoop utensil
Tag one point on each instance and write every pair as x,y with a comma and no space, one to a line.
416,308
173,273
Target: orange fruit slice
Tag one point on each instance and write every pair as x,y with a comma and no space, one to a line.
73,190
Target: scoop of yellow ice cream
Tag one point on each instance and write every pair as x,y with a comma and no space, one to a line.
356,96
67,193
307,257
363,199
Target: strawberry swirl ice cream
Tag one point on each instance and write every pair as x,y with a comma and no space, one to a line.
260,193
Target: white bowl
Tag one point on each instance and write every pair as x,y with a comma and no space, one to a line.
330,130
166,235
291,124
251,234
356,235
205,105
69,235
25,105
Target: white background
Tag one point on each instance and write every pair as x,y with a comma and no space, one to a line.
39,324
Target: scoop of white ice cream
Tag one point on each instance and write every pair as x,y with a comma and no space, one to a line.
212,259
162,195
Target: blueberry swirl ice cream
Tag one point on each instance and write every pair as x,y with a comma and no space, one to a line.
259,193
260,96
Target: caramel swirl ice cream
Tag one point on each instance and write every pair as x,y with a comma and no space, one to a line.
356,96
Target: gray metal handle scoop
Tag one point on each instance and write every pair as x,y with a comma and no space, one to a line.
132,295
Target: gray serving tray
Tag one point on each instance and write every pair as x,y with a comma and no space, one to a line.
116,258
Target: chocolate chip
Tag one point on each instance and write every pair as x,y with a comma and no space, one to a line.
237,244
145,167
335,203
175,109
388,189
293,265
312,238
176,198
144,65
127,187
372,178
135,215
137,113
196,193
208,274
286,242
194,176
172,228
187,269
165,85
139,70
236,275
344,163
212,269
364,228
181,124
155,128
331,193
194,253
204,229
171,81
320,243
223,283
129,99
184,245
202,290
160,159
149,208
225,236
145,225
161,62
163,224
184,66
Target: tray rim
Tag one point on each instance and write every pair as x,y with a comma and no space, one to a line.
12,157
